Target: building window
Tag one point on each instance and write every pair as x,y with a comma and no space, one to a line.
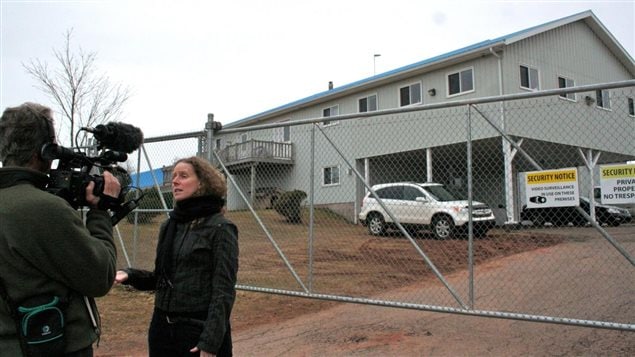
218,144
282,133
368,104
631,107
243,140
566,83
603,98
529,78
410,95
330,112
461,82
331,176
286,134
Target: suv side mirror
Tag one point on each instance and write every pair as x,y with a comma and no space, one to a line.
421,199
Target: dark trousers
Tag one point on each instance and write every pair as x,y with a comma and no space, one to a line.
177,339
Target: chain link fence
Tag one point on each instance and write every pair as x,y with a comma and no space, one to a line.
419,207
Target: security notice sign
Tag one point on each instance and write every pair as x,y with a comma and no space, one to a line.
618,183
552,188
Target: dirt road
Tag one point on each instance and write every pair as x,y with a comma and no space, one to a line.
362,330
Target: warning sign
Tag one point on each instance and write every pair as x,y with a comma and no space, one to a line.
552,188
618,183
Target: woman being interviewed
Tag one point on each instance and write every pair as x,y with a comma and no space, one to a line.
195,268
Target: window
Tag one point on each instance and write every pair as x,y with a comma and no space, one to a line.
461,82
603,98
282,134
218,143
631,107
330,112
390,193
566,83
331,176
368,104
410,95
529,78
411,193
286,134
243,140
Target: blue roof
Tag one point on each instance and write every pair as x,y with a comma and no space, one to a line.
146,180
462,51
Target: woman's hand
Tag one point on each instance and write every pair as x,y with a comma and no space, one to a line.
121,276
203,353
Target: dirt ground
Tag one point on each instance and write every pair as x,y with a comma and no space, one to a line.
362,330
271,325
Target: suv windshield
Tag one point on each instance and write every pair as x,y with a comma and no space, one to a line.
440,193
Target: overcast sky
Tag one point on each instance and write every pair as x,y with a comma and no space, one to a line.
183,59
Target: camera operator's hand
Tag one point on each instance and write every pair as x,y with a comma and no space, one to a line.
112,188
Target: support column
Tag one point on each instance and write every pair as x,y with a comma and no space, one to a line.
429,177
366,174
590,161
509,182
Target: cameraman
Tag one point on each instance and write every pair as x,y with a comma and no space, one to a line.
45,248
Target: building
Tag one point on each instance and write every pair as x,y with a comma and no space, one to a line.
573,51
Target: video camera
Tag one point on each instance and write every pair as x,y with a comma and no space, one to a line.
73,172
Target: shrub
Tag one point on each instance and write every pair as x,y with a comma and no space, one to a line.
288,205
150,200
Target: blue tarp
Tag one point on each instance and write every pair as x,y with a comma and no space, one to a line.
145,178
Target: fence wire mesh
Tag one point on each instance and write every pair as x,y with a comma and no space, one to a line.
422,208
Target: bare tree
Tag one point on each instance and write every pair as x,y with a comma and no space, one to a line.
84,97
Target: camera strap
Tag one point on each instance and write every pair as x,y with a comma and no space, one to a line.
107,202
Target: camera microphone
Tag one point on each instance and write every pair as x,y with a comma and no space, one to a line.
118,136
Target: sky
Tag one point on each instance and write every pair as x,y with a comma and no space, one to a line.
183,59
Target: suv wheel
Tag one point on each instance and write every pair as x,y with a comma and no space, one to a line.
376,224
442,227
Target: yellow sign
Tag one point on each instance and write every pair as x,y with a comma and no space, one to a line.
543,177
617,183
617,171
552,188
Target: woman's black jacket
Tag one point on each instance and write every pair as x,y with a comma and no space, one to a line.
204,266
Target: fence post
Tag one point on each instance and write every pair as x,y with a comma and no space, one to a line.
209,127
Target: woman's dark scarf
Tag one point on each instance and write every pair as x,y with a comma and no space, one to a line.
185,211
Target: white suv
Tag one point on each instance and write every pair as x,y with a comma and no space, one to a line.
423,205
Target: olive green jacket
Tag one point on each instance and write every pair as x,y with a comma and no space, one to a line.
46,249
